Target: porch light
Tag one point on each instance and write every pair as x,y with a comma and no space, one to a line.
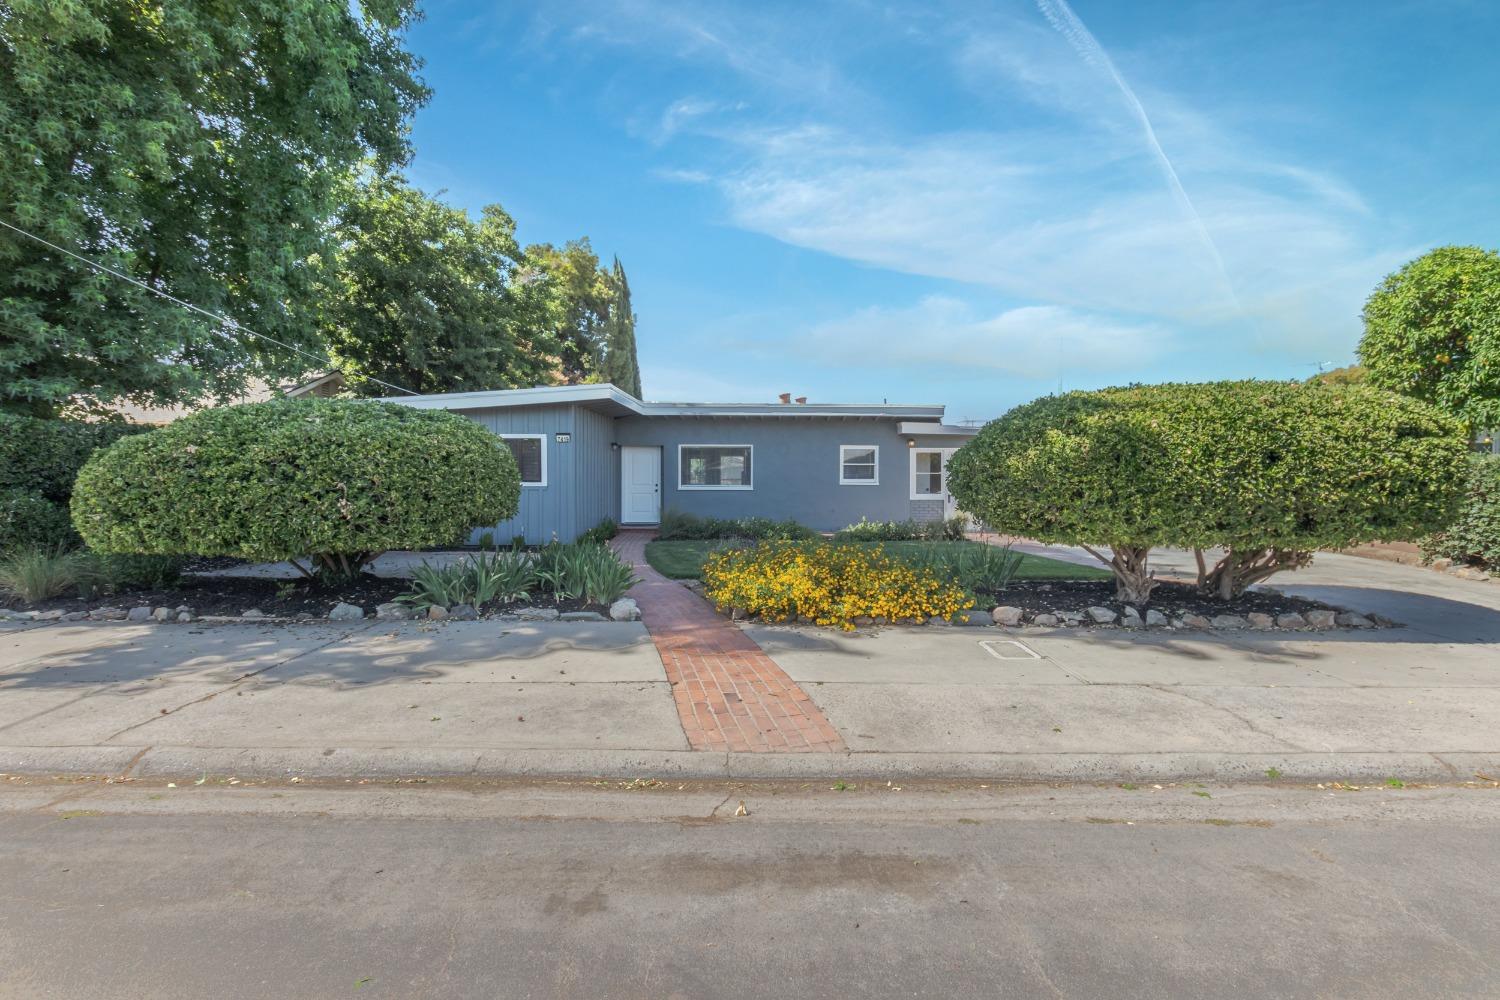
911,442
614,446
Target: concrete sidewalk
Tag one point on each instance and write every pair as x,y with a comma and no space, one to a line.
584,699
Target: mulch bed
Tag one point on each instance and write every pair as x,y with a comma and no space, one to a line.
232,596
1175,600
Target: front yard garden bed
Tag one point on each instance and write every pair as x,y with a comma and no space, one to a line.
1092,604
232,597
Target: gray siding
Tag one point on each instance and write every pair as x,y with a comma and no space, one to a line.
794,467
598,467
545,510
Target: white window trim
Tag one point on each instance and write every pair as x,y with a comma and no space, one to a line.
859,482
750,448
911,480
542,438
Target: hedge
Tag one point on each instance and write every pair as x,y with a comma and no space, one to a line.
337,480
1474,536
1269,471
39,459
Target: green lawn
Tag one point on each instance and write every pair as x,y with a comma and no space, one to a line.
682,560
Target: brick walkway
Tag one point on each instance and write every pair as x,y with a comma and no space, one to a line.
730,695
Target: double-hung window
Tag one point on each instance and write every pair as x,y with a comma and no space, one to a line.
714,467
859,465
530,451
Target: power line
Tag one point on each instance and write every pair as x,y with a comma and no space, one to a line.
225,320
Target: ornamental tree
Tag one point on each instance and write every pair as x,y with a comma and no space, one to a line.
194,147
1432,330
337,481
1268,472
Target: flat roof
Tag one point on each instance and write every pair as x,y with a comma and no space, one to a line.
610,399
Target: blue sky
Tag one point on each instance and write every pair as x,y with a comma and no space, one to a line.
974,203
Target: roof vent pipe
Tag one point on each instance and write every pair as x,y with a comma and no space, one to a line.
801,399
785,397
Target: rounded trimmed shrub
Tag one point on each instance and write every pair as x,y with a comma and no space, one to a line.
1269,471
337,480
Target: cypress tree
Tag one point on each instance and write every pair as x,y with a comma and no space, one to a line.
620,364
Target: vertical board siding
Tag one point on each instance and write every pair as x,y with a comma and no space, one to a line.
597,468
545,510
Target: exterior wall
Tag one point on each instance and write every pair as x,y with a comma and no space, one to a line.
794,467
548,510
598,468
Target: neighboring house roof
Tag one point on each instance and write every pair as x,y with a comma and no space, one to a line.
614,401
255,392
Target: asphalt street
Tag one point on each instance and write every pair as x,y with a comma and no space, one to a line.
575,890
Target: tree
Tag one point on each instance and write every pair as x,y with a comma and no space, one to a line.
620,364
421,296
1432,330
194,147
337,480
578,294
1266,471
1347,375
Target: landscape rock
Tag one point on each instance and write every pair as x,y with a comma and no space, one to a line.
7,615
107,614
54,615
395,611
1131,618
938,620
1227,621
1155,619
436,612
1045,621
860,621
1103,616
976,617
184,607
162,614
580,616
1441,565
343,612
1321,619
252,613
625,610
463,613
75,616
1071,617
1006,615
1196,621
186,616
550,614
142,614
1259,619
1291,620
305,616
1470,573
1349,619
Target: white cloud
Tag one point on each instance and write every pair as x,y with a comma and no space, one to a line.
946,333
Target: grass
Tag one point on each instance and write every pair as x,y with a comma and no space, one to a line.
682,560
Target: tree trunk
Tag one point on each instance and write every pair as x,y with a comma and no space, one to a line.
1237,571
1133,579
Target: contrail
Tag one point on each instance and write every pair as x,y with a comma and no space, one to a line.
1067,24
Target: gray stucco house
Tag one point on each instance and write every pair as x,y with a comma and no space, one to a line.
588,452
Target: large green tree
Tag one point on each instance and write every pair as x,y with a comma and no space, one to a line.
422,296
1432,330
578,295
620,364
194,146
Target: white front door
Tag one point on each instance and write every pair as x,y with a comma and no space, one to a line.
640,485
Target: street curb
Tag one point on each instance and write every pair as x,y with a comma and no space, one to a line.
1300,768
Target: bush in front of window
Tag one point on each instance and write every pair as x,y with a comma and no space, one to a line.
1267,471
679,526
948,530
336,481
827,584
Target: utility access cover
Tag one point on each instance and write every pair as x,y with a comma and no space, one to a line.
1009,649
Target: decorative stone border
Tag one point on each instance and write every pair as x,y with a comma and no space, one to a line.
623,610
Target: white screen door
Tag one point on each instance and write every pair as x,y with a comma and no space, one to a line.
640,485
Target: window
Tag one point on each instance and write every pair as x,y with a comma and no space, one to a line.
531,456
859,465
713,466
926,474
